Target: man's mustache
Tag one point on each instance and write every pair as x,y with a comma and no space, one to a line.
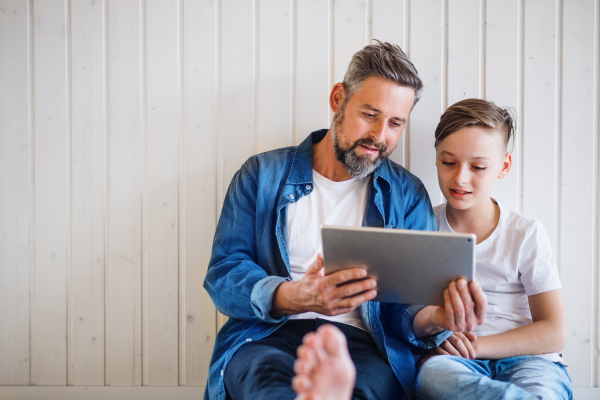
382,147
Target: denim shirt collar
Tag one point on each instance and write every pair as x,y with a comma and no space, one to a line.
301,170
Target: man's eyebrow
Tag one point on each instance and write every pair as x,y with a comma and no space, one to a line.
446,152
370,107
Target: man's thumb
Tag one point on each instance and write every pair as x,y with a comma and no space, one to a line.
316,266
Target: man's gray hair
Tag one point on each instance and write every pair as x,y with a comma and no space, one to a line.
385,60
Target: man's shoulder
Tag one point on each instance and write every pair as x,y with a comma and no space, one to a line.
401,176
276,158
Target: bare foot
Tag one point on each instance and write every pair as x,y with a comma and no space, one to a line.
324,369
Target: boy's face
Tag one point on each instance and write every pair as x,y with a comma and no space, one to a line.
468,163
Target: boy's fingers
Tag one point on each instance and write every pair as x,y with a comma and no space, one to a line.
459,309
449,311
480,302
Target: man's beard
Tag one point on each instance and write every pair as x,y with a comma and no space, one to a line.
357,167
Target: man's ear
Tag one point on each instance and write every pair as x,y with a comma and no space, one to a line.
337,96
506,164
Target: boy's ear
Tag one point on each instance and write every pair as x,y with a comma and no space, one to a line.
506,164
336,98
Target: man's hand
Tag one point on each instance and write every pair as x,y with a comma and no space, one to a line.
465,307
328,295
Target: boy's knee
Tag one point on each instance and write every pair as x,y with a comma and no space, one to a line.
431,375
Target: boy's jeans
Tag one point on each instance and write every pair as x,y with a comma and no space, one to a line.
521,377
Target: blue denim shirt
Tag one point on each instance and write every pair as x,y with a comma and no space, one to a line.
250,254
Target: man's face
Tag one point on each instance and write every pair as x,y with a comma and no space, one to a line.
367,127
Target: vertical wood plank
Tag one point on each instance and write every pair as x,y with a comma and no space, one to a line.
49,329
236,136
14,195
274,85
123,304
86,300
389,25
313,68
163,129
197,214
350,34
426,29
576,189
502,84
539,104
463,50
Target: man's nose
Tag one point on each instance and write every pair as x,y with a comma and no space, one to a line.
378,130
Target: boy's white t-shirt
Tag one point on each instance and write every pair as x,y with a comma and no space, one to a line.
330,203
514,262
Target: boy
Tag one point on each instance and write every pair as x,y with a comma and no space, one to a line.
512,355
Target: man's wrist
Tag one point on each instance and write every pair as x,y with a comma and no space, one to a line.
425,322
282,305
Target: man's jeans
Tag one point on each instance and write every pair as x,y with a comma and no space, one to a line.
521,377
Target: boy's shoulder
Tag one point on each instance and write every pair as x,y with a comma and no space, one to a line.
518,222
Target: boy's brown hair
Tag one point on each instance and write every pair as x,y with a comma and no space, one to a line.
475,112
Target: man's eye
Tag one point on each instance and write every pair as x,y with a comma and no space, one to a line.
395,124
369,115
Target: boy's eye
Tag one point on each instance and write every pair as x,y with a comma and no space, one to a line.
447,163
479,168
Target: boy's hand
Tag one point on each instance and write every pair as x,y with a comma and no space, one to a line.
459,344
465,307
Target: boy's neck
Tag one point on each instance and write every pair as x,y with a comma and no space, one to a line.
480,220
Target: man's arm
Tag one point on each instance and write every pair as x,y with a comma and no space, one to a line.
238,286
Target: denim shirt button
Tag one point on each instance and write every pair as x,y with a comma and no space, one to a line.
222,373
307,187
292,196
248,340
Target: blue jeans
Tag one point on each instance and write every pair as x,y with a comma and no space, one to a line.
521,377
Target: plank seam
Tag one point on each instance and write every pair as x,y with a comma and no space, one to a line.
69,178
331,59
596,191
369,22
482,48
218,123
256,78
520,106
406,48
144,198
294,70
32,225
558,131
106,191
181,209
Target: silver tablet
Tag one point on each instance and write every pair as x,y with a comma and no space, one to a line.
410,266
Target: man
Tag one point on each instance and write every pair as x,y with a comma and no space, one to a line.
265,271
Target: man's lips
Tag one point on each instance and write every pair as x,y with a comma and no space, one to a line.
370,150
459,194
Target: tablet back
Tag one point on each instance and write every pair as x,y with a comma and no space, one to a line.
410,266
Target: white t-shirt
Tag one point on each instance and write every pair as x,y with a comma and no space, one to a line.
330,203
514,262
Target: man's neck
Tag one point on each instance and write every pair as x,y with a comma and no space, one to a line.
325,162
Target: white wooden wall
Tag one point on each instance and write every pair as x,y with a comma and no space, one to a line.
122,123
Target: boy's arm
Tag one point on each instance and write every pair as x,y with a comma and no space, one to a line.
547,333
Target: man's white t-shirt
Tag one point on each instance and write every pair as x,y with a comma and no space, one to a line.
330,203
516,261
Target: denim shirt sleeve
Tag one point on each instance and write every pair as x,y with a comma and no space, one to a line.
400,318
238,286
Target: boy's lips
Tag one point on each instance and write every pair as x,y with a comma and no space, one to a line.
459,194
